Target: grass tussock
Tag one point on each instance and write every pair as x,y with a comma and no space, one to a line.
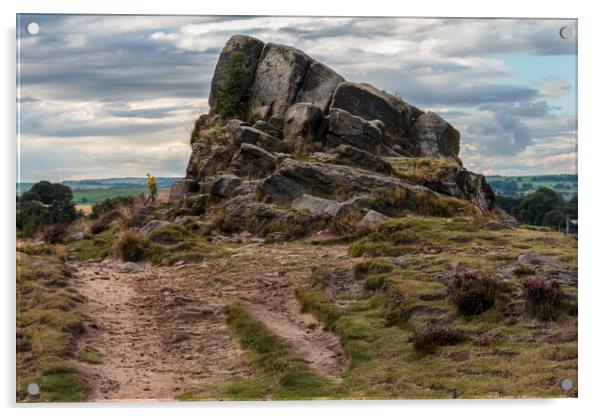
396,307
318,304
372,266
435,336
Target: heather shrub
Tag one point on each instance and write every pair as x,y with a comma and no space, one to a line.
104,222
434,336
542,297
472,292
54,234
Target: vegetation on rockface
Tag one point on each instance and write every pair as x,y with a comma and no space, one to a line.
45,204
48,321
235,98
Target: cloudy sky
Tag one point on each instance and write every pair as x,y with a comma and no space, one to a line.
112,96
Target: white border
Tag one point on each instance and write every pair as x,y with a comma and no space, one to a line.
590,153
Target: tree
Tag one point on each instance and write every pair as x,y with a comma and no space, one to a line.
532,208
152,187
45,204
49,193
235,97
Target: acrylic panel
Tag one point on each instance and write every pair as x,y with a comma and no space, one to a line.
295,208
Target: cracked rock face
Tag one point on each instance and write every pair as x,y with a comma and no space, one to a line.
312,146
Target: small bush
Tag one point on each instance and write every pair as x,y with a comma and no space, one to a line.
396,310
54,234
434,336
472,293
104,222
130,247
542,297
368,267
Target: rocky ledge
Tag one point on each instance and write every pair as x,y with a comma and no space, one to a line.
290,146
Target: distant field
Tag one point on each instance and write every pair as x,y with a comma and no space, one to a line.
92,196
564,185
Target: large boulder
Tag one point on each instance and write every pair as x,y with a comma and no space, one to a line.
294,178
268,128
243,213
249,49
372,219
318,86
304,120
207,160
152,226
369,103
345,128
352,156
279,76
434,137
322,207
253,162
224,185
180,188
246,134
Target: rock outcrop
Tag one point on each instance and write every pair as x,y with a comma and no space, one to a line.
313,148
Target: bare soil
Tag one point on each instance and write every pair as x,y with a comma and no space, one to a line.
162,330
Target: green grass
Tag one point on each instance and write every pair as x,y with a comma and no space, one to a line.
93,196
277,372
48,322
499,353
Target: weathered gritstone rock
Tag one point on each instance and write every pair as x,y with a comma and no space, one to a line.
253,162
372,219
279,76
318,142
318,86
305,120
349,155
223,185
345,128
369,103
434,137
268,128
294,179
251,135
180,188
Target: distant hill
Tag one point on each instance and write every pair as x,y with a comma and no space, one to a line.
565,185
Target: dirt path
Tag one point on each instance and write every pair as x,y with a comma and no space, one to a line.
162,331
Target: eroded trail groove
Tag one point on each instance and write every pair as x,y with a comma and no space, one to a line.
162,330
